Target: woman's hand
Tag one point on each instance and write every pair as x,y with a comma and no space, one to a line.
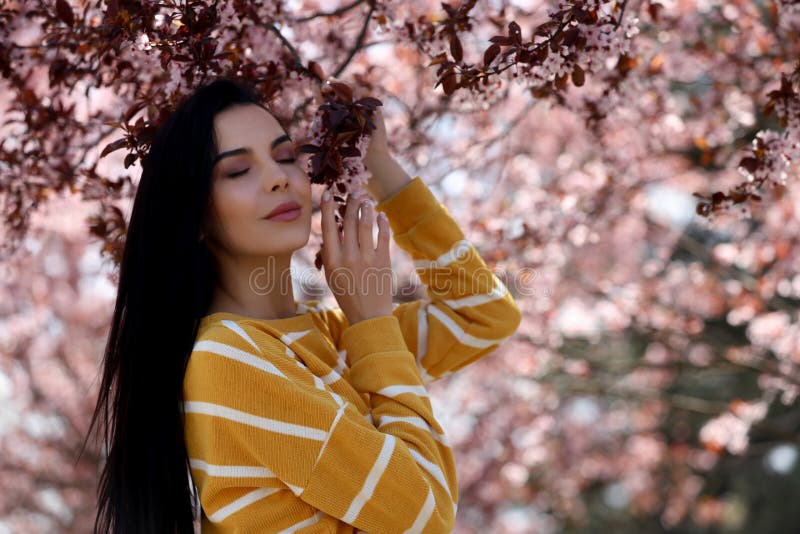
378,147
358,273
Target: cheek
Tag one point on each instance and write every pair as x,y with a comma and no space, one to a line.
233,197
233,206
304,187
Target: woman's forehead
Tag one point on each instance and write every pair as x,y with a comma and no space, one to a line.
240,123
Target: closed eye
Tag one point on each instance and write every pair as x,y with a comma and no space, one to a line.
243,171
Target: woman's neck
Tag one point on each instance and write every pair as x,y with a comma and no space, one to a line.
259,288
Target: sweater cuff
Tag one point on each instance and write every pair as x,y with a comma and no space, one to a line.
408,206
378,334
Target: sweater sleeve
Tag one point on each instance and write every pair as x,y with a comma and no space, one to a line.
249,404
467,312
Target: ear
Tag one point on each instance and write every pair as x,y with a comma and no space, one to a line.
202,231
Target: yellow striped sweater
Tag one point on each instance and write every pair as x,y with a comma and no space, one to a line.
310,424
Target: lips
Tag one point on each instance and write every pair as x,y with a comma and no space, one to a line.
282,207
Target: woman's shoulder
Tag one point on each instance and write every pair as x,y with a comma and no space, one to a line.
230,330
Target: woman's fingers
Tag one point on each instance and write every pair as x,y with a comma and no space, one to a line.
365,229
382,250
330,232
355,243
350,238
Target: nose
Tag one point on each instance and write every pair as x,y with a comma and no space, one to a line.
276,183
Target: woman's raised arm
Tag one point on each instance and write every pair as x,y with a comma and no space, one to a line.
467,312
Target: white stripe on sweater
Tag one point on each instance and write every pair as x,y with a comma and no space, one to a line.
237,416
418,422
339,415
290,337
434,470
313,520
458,249
240,471
231,471
240,503
422,340
399,389
375,474
424,514
460,334
238,329
331,377
472,301
320,385
222,349
342,362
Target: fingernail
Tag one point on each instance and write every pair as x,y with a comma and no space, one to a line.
326,195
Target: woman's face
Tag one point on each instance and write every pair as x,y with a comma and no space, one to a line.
257,168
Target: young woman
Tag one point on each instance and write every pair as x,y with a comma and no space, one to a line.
283,415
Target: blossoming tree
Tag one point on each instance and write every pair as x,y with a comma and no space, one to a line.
628,168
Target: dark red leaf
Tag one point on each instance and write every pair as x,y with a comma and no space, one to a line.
349,152
111,147
64,12
130,159
541,52
515,32
570,36
455,48
578,76
545,29
342,91
315,67
653,9
502,40
449,82
750,163
490,54
309,149
368,101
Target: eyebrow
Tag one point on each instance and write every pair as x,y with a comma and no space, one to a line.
246,150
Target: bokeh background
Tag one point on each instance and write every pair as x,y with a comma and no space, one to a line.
628,169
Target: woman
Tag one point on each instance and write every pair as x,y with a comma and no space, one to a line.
284,415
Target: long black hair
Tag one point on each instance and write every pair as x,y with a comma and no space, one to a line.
166,280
